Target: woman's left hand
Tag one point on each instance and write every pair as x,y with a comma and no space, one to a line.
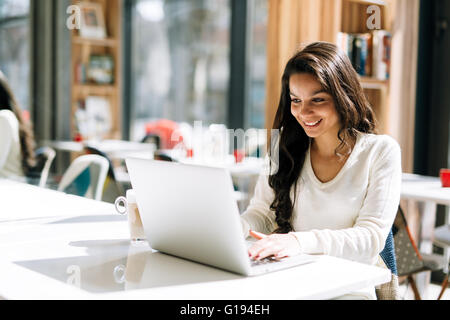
276,245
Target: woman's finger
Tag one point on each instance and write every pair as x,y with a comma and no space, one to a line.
267,252
282,254
264,248
257,235
260,245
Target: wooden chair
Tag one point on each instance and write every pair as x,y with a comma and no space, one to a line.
409,260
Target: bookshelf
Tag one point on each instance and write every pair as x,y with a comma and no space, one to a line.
354,16
293,23
86,83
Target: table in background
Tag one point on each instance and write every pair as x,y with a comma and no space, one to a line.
115,149
429,193
244,174
84,253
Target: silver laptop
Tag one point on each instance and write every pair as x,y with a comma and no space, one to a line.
189,211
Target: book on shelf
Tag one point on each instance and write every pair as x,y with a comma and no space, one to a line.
93,117
382,54
80,73
369,53
101,69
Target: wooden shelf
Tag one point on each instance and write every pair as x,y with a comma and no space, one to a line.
354,20
83,49
376,2
96,89
373,83
95,42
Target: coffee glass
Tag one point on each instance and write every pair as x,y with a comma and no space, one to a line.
127,205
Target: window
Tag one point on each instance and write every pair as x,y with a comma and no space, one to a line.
180,62
14,57
255,113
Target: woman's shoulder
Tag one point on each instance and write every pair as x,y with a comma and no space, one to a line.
379,143
8,116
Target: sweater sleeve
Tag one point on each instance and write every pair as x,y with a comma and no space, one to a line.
365,240
5,139
258,215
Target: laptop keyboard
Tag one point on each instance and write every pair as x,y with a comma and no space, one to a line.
264,261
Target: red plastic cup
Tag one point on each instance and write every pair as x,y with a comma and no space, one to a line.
78,137
445,177
239,156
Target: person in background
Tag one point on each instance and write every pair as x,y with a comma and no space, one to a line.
336,187
16,137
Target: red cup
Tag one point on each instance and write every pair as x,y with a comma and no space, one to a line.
239,156
445,177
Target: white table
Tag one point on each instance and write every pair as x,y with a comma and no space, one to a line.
21,201
115,149
429,192
88,256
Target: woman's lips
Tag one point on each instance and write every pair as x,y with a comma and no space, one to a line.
312,124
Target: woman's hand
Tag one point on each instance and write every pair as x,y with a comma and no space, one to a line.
276,245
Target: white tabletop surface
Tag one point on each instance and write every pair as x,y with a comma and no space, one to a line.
424,188
115,149
81,251
22,201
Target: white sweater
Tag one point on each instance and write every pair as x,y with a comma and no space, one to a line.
10,150
348,217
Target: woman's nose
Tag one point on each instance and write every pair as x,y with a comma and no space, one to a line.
304,109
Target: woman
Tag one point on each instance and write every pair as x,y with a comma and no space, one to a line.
16,137
336,188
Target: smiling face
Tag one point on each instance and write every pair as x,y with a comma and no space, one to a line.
313,108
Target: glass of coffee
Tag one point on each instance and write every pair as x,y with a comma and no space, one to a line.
127,205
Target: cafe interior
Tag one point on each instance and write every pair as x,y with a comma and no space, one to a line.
197,82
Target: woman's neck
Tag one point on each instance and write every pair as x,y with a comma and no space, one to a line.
325,146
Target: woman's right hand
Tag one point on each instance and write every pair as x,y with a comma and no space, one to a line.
276,245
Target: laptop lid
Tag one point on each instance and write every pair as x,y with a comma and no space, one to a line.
189,211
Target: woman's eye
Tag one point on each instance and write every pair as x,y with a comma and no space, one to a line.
295,101
318,100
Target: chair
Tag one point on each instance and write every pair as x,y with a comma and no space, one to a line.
85,176
112,188
154,139
409,261
44,159
166,130
442,239
162,156
389,291
45,155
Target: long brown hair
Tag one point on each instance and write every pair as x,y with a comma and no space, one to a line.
9,102
334,71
